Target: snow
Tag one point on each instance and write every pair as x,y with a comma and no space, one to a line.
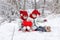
6,31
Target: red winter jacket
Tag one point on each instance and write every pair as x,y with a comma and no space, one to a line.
27,23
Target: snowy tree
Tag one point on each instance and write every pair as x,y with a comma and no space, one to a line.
10,10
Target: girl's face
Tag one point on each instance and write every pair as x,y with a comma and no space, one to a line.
34,15
25,17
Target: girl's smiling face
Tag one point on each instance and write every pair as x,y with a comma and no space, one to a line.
34,15
25,17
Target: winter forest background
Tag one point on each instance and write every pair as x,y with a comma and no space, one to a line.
52,6
9,19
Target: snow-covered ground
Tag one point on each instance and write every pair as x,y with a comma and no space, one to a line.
6,31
